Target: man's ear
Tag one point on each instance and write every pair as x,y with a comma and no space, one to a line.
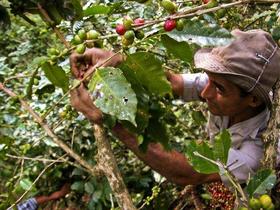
254,101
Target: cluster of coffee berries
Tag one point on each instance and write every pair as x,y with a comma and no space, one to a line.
54,54
126,30
264,202
85,39
221,196
171,24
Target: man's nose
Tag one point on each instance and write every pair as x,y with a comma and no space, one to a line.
208,92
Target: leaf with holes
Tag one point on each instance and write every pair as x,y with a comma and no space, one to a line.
113,94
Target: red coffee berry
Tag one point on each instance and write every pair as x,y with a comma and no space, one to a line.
205,1
169,25
120,29
139,21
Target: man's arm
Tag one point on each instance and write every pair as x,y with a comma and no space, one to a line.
34,203
171,164
177,83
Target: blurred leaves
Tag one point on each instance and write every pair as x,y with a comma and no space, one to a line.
261,183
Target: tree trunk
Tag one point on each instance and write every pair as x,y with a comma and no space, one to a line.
107,163
271,135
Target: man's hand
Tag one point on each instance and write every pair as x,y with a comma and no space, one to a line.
92,58
82,102
65,189
54,196
80,98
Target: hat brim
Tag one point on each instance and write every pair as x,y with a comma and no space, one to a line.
210,63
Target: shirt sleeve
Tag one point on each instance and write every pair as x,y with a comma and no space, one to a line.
30,204
245,161
193,85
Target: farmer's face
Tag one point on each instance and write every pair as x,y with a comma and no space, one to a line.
223,97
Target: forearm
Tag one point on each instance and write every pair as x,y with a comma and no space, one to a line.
42,199
177,83
171,164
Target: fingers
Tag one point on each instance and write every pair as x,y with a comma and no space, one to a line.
75,62
79,64
65,188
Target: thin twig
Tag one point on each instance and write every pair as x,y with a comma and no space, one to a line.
35,181
93,170
200,10
86,76
73,136
15,77
34,159
63,160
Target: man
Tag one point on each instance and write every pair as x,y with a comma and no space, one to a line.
35,202
237,88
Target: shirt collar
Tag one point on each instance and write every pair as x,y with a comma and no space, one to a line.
251,126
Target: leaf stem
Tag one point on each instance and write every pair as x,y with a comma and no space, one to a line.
231,178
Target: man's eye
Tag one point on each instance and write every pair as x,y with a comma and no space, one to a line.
219,90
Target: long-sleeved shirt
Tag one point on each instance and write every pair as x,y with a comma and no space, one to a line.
247,147
30,204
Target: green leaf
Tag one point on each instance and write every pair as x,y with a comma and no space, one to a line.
276,32
263,181
196,32
25,184
200,164
142,115
89,188
38,61
221,146
114,94
56,76
156,132
78,186
181,50
148,71
97,9
77,172
198,117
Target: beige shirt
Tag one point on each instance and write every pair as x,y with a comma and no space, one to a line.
247,147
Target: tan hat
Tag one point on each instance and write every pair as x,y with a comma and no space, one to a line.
251,61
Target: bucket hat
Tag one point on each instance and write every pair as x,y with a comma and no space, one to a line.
251,61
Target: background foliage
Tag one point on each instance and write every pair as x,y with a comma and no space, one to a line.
27,68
